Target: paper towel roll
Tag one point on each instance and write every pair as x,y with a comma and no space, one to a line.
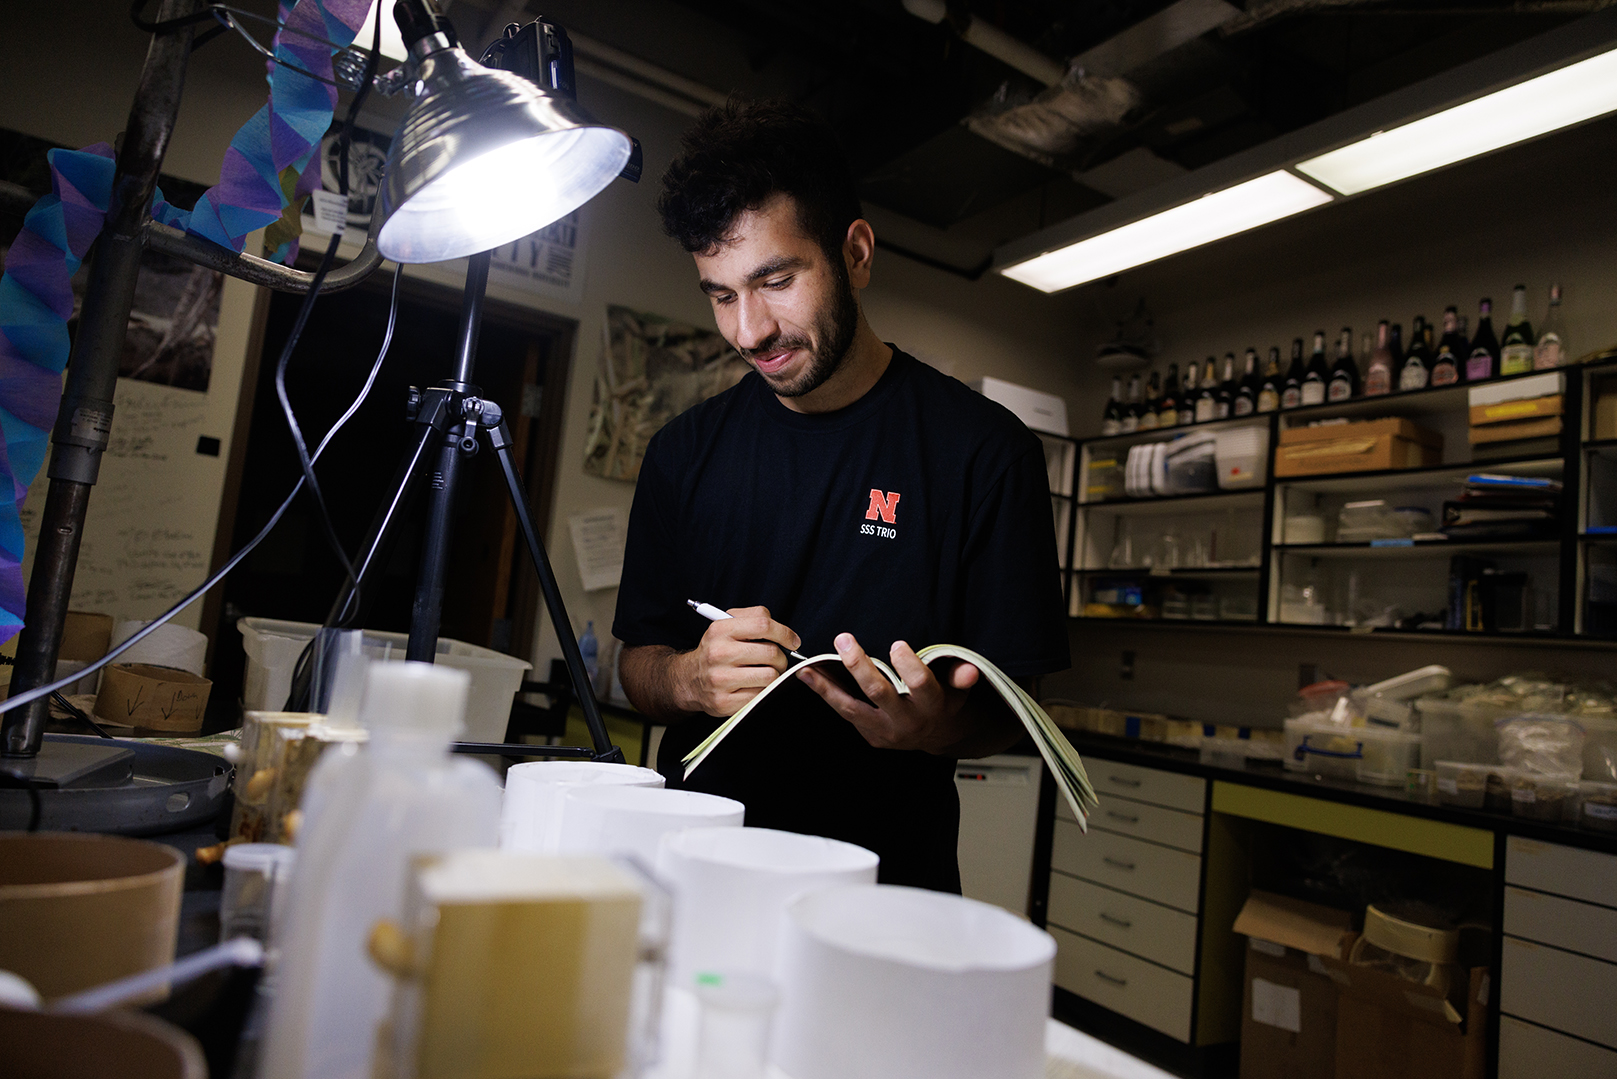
631,820
168,646
731,884
916,985
535,798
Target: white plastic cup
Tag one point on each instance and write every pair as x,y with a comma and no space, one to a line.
254,872
535,798
605,819
733,1039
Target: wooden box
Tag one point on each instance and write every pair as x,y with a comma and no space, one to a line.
1370,446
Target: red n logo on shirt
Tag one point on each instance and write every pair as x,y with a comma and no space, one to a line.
884,506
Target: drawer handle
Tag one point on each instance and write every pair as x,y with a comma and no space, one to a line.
1124,781
1105,977
1118,862
1121,923
1124,817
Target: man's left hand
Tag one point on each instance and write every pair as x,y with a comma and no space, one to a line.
932,717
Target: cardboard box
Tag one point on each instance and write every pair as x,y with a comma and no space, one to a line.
1040,411
162,700
1605,410
86,636
1371,446
1517,389
1504,411
1390,1028
1289,1005
1515,430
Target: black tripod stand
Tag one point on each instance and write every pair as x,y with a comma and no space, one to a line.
452,424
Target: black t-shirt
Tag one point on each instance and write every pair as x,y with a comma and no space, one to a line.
920,513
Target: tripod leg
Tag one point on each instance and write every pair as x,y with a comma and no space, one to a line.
500,439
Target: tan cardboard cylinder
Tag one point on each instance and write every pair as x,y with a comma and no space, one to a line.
126,1044
77,911
150,698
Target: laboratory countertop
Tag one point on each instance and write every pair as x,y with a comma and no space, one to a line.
1271,775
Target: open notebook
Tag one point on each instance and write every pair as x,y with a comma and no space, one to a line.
1058,753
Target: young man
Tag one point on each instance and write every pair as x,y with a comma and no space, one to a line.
842,496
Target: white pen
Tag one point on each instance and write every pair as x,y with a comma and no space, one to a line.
713,614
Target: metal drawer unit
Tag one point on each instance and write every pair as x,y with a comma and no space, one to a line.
1124,899
1558,972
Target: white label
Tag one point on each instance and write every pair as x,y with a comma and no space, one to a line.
1277,1005
1313,393
1449,786
1523,794
1599,812
1268,947
330,212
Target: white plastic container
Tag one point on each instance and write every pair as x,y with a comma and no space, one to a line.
402,794
1388,756
1325,749
1461,783
273,647
1242,458
536,792
255,879
731,885
882,982
632,820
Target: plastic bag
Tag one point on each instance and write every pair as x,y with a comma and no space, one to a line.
1547,745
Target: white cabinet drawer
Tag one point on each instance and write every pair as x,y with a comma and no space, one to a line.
1144,785
1142,991
1529,1052
1559,990
1173,827
1150,930
1129,865
1565,923
1550,867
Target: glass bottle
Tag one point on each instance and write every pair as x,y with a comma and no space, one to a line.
1416,372
1246,394
1111,421
1317,376
1129,422
1224,401
1550,352
1153,396
1483,360
1269,389
1189,391
1378,376
1291,391
1168,403
1516,347
1344,383
1450,349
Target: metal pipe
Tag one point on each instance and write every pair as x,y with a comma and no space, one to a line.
471,316
84,423
256,271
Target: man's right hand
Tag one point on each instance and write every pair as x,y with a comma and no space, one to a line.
737,657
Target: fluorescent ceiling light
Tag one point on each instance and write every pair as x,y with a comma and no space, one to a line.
1547,103
1211,217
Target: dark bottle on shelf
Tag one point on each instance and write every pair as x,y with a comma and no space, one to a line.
1416,373
1483,360
1168,403
1269,389
1224,400
1111,421
1378,376
1291,390
1395,349
1153,397
1130,419
1344,383
1207,394
1450,351
1189,391
1516,347
1316,377
1246,393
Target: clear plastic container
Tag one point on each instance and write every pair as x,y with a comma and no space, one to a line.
1325,749
1387,756
1496,791
1461,783
1597,806
1457,731
1543,798
253,873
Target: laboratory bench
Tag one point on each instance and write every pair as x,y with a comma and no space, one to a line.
1142,905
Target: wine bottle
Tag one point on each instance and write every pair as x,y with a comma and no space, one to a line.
1206,409
1153,397
1317,376
1416,373
1446,363
1189,391
1550,352
1246,394
1224,404
1273,384
1483,360
1344,383
1131,408
1378,376
1516,347
1168,403
1111,421
1291,388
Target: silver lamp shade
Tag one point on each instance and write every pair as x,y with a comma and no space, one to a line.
483,158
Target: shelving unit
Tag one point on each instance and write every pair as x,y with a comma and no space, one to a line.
1160,544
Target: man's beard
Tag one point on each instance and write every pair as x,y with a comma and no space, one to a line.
834,330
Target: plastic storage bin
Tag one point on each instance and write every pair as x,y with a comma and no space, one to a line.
1545,798
1460,783
1242,456
1189,464
1458,731
1387,756
273,646
1597,806
1326,749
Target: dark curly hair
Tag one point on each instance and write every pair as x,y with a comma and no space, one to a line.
737,155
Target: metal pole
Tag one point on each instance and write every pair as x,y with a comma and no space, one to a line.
85,420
